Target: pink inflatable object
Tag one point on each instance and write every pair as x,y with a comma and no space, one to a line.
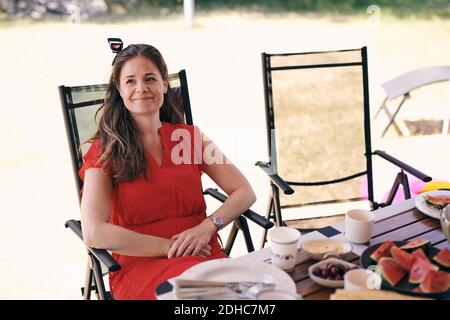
415,186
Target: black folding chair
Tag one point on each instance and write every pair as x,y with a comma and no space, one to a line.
80,103
318,135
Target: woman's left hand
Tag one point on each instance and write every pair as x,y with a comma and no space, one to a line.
193,241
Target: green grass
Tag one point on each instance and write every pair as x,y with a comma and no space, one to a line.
157,9
398,8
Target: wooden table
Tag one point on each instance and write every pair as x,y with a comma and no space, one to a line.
397,222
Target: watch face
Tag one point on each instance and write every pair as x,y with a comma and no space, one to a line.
218,222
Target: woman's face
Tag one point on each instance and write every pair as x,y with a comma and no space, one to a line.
141,86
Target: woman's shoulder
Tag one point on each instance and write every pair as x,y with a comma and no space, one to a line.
91,158
94,148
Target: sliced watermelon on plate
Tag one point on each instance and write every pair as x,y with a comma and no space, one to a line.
420,254
419,270
435,282
383,251
443,258
390,271
417,290
413,245
403,258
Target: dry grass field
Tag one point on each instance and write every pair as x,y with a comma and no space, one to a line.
42,260
319,125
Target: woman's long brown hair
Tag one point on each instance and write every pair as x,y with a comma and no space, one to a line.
122,153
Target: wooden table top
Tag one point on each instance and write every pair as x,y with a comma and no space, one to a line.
407,225
399,222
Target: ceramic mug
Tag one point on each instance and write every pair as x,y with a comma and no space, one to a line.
359,225
284,243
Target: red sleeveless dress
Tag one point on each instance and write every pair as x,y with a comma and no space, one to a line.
169,202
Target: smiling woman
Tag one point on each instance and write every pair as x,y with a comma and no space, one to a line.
138,201
136,104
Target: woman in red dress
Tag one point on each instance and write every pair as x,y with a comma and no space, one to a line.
142,193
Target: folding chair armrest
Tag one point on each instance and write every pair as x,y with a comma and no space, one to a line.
275,178
101,254
253,216
420,175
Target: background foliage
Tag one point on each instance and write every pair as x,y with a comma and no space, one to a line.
397,7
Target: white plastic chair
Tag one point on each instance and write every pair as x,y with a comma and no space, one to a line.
404,84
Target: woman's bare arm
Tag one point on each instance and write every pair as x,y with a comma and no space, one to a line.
99,233
240,198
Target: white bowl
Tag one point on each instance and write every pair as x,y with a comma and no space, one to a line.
327,282
317,249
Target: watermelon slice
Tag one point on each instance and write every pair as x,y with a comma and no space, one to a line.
417,290
413,245
383,251
419,270
420,254
390,271
403,258
435,281
438,203
443,258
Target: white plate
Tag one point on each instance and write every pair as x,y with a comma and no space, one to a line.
326,282
234,270
423,207
317,248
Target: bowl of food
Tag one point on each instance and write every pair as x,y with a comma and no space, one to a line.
319,249
330,272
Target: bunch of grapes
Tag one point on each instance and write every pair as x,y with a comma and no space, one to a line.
332,271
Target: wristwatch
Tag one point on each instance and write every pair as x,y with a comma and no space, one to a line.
218,222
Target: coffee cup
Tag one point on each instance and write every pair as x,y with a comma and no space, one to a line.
361,279
359,225
284,243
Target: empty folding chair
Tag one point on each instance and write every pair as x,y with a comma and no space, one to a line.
319,139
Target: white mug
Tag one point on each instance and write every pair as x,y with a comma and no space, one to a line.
284,245
359,225
361,279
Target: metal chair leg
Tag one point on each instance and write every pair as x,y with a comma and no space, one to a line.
383,105
231,238
246,233
401,179
98,277
86,291
277,207
268,216
392,117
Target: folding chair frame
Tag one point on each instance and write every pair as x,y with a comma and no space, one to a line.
277,183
